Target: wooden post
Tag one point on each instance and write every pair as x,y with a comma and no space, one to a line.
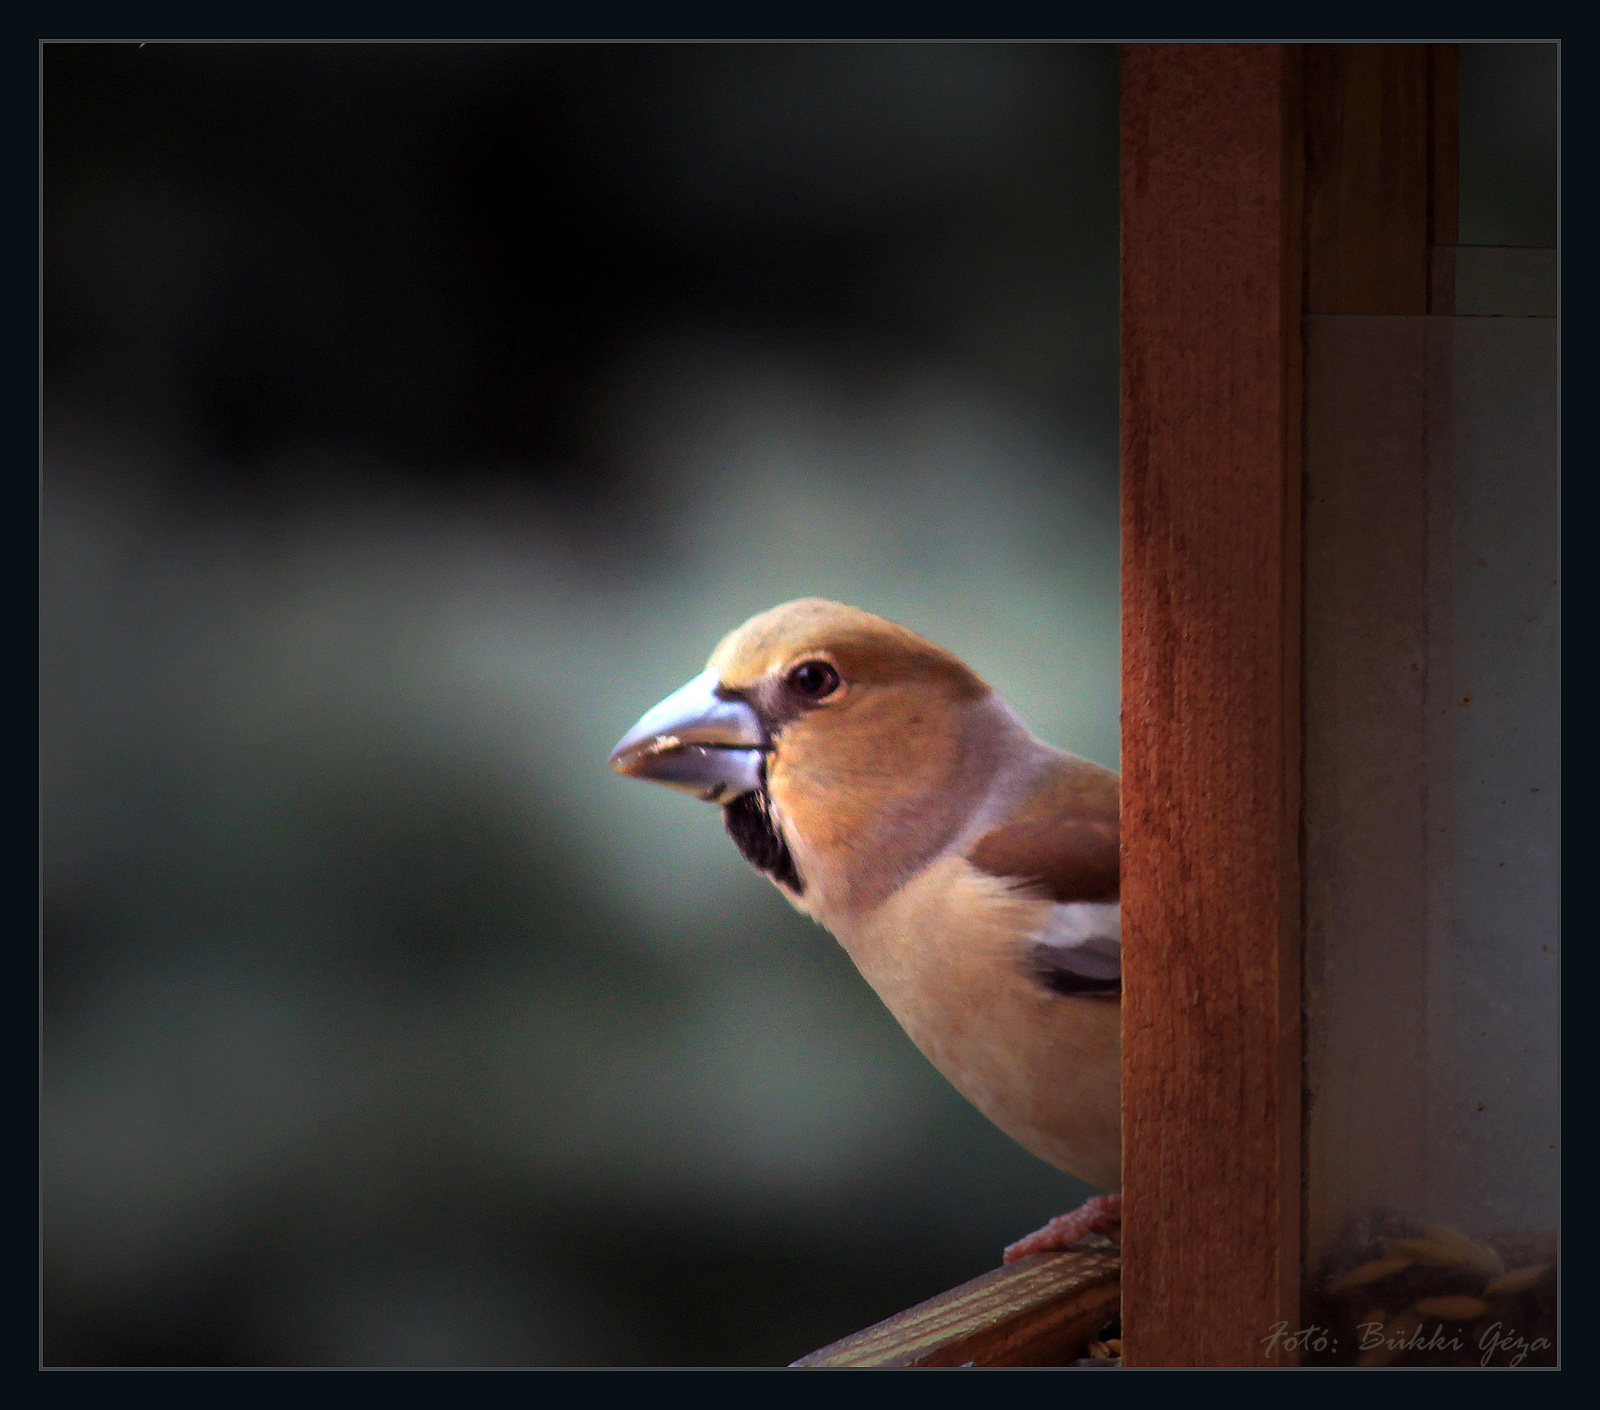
1444,174
1211,235
1260,182
1366,185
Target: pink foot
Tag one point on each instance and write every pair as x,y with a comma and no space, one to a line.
1100,1215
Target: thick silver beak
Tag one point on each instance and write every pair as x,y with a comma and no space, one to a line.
696,741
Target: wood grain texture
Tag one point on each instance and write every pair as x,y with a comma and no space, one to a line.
1039,1311
1211,228
1367,177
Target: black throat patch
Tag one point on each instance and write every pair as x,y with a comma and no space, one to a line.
749,822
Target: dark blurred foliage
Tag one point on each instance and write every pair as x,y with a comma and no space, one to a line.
416,415
438,254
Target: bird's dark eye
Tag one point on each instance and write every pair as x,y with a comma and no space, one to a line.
816,680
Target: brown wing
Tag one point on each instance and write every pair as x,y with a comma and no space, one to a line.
1064,837
1064,840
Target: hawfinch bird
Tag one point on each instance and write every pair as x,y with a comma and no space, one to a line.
970,870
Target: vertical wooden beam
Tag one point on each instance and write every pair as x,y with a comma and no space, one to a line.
1444,144
1367,213
1444,174
1211,295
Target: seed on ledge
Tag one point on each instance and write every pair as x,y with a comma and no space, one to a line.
1474,1253
1517,1280
1428,1252
1367,1273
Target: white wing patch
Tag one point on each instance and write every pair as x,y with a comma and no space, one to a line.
1085,937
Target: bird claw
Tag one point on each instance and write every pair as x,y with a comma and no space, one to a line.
1100,1215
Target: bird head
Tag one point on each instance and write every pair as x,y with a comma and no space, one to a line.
832,738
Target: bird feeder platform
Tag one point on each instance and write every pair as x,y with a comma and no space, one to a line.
1045,1310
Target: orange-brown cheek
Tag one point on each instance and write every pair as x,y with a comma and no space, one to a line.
823,802
837,777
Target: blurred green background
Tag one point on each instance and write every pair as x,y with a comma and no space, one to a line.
416,416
